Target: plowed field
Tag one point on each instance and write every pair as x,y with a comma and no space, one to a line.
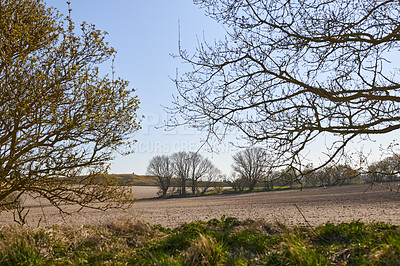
314,205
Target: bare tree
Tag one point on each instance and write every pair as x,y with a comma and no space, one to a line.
291,71
340,174
235,182
200,169
311,178
162,168
250,165
193,167
181,169
387,169
323,177
211,177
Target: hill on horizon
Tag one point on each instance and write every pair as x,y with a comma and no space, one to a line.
135,180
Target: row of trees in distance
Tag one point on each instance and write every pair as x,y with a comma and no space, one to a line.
194,171
252,167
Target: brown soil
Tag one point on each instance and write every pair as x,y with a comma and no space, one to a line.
318,205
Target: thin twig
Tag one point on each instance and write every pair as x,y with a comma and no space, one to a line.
305,219
309,225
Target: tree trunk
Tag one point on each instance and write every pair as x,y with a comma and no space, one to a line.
183,187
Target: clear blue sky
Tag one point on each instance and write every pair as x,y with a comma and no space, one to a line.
145,33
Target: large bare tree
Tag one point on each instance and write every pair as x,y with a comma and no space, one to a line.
192,167
181,166
201,168
251,165
60,120
291,71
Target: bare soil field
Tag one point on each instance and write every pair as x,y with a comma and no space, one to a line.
317,205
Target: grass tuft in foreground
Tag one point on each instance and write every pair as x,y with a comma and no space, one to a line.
225,241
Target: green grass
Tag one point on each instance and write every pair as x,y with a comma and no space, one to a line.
137,180
225,241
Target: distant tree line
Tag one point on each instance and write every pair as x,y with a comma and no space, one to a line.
385,170
252,167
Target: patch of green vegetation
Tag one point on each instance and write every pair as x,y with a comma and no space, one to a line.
20,252
225,241
215,192
137,180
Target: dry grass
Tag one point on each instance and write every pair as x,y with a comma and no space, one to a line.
205,251
72,244
225,241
